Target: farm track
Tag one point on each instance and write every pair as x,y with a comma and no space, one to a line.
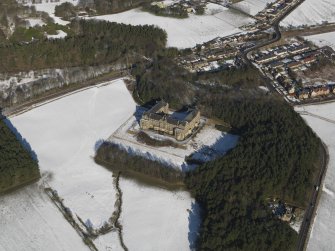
119,211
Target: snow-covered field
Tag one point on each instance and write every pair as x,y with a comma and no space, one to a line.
323,229
209,143
188,32
64,134
182,33
49,7
157,219
252,6
29,221
324,39
311,12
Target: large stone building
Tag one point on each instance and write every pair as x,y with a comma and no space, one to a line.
158,119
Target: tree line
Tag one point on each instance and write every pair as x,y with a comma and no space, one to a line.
17,166
116,158
111,6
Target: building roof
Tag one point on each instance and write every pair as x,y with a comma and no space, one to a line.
155,114
159,105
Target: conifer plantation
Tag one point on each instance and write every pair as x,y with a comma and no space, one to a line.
17,165
93,43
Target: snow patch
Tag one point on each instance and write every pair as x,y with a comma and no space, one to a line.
32,22
60,34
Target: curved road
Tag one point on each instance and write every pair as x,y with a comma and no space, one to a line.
311,208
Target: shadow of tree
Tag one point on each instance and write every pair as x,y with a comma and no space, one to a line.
194,221
98,144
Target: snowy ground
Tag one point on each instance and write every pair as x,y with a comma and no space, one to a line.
70,127
64,134
60,34
35,22
206,145
29,221
323,229
324,39
188,32
311,12
49,7
156,219
252,6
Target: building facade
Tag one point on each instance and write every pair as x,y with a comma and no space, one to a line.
158,119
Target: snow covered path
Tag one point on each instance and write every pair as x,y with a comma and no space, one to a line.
323,228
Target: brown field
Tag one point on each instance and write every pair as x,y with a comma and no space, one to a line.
323,75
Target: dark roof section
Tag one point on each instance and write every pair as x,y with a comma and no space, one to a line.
190,116
159,105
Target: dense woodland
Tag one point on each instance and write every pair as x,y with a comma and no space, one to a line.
174,11
94,42
276,156
17,165
66,10
111,6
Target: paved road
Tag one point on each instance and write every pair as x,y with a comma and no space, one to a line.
311,208
277,36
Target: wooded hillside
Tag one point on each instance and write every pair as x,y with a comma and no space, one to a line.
95,42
